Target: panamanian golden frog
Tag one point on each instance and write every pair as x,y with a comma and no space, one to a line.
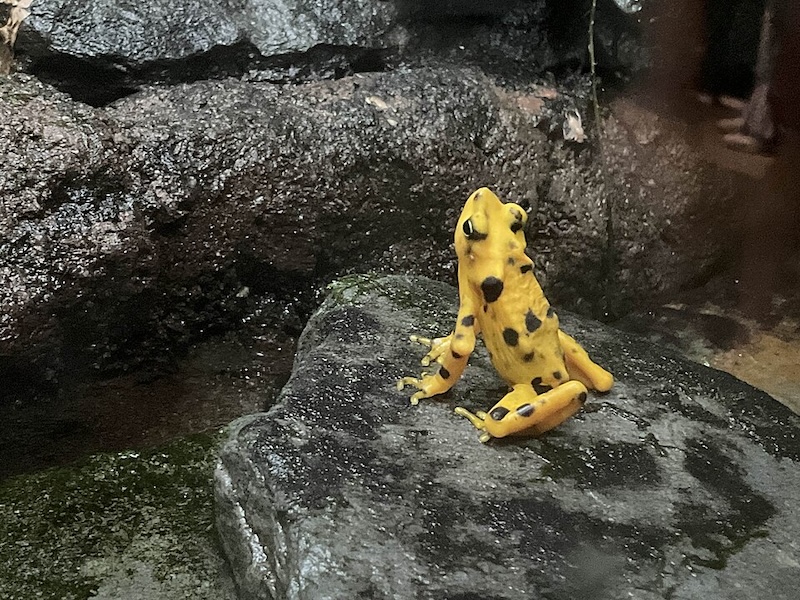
500,299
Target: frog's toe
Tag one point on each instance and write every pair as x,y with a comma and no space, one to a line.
418,382
438,348
403,382
478,421
415,381
436,354
421,340
417,397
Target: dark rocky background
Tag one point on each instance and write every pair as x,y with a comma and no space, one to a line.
180,181
161,177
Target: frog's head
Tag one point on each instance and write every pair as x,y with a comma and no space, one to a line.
489,227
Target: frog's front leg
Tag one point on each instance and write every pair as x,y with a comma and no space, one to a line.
451,352
524,412
581,367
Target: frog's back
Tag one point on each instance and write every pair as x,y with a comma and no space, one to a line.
521,333
518,326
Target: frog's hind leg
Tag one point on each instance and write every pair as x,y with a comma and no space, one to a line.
581,367
523,412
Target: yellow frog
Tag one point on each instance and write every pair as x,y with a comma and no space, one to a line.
501,299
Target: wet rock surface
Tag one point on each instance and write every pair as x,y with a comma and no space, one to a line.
99,51
203,388
125,526
134,228
681,482
132,32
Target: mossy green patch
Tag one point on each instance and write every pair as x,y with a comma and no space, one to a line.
402,292
66,533
358,289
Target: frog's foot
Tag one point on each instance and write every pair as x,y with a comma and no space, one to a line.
450,368
428,384
478,421
438,348
523,412
417,382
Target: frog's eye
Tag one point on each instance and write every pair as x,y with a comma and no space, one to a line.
471,232
468,228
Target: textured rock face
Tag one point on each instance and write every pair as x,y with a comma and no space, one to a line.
137,32
132,33
681,482
129,222
135,525
129,228
99,51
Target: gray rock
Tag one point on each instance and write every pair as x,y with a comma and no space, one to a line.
130,229
681,482
146,215
99,51
629,6
132,33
